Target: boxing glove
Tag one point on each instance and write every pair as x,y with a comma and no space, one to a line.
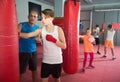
50,38
91,39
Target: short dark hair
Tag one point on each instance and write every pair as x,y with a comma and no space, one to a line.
109,26
87,29
97,25
48,12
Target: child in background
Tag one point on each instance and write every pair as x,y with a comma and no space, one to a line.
88,40
109,41
97,37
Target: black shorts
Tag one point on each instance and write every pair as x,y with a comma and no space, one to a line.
97,41
51,69
27,59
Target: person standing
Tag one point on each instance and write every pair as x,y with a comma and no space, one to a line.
96,32
53,42
88,40
80,27
109,42
27,46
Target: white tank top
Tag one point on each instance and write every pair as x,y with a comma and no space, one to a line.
110,35
52,54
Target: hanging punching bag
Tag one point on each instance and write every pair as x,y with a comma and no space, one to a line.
71,30
59,22
104,25
9,66
115,26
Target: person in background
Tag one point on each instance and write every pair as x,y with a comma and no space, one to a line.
96,32
27,46
80,31
109,42
88,40
53,42
80,27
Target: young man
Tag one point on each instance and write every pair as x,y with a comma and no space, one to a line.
53,41
27,46
109,41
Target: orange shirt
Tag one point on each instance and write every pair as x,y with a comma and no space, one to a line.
88,46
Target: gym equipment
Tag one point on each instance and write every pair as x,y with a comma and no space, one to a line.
71,30
9,62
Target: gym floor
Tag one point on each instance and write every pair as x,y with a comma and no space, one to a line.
106,69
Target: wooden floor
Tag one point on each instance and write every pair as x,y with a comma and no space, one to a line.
106,70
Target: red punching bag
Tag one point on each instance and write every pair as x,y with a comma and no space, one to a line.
9,64
59,21
115,25
71,30
118,26
103,25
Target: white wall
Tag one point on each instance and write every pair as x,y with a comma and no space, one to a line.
85,19
23,10
59,8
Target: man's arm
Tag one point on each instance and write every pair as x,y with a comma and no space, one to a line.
31,34
39,39
27,35
19,28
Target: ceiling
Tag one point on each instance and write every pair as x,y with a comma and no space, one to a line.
51,1
87,2
98,4
83,2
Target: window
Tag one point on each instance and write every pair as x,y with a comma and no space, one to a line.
35,7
